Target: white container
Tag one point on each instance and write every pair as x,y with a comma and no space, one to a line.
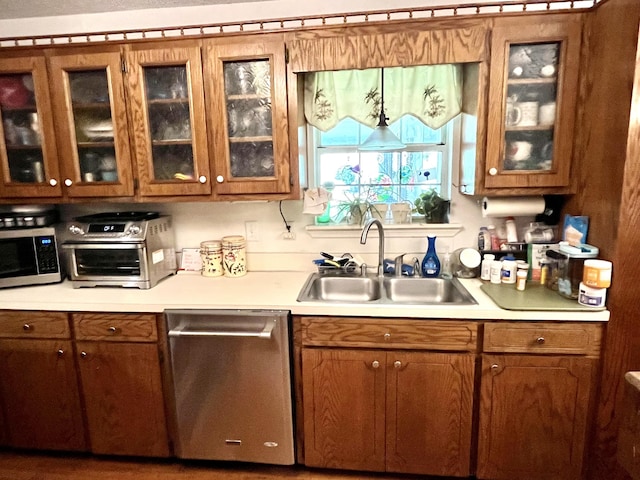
211,256
591,297
496,272
597,273
234,256
508,274
485,268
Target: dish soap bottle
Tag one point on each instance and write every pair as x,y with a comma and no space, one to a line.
431,262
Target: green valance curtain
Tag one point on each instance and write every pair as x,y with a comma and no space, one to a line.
431,93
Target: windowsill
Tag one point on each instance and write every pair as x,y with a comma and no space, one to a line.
407,230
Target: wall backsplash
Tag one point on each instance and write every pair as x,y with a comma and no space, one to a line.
195,222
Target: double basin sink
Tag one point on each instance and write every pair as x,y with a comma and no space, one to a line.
323,287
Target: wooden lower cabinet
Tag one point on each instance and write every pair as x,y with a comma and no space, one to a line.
121,381
534,414
39,391
399,411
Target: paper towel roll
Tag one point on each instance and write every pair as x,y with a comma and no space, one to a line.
512,206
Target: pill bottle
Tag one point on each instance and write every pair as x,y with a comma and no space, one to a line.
522,273
495,272
508,274
485,268
590,296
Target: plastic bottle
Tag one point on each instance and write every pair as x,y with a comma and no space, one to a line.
512,233
485,268
508,274
496,271
431,262
493,238
521,275
484,239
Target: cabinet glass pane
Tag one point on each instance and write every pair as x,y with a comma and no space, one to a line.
169,117
530,110
93,125
21,129
247,88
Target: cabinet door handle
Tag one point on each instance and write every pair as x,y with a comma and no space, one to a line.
113,329
495,367
53,182
60,352
397,364
375,364
219,179
493,171
540,340
83,354
202,179
26,327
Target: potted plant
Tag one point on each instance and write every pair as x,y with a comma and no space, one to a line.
434,208
357,208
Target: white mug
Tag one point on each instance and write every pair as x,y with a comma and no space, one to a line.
513,115
547,114
518,150
528,114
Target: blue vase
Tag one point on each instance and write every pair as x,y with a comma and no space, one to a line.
431,262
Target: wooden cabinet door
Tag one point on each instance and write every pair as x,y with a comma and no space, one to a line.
39,389
28,156
429,413
123,397
247,110
168,116
533,416
344,408
533,83
91,123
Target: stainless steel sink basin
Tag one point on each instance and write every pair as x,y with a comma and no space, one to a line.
372,289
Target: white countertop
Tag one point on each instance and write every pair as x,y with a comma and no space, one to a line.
256,290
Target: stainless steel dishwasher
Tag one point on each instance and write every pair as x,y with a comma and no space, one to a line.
232,385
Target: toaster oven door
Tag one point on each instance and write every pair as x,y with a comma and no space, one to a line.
107,262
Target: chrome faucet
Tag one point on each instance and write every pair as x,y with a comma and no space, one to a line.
363,240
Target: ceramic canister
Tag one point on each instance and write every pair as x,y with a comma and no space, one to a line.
234,256
211,256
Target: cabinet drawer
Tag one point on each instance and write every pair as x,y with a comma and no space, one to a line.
400,333
542,337
34,324
115,327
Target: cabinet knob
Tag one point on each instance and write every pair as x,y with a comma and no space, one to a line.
493,171
60,352
387,336
26,327
375,364
397,364
495,367
83,354
540,340
53,182
202,179
113,329
219,179
68,182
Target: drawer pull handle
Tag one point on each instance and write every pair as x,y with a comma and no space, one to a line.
387,336
540,340
26,327
375,364
397,364
113,329
83,354
60,352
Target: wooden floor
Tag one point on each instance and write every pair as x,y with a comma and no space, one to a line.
37,466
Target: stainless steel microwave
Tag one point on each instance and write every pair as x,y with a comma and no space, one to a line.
29,257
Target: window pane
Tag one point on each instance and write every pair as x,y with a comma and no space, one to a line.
414,131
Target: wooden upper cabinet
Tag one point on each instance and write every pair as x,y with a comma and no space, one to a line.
373,47
91,123
166,101
28,156
246,85
532,101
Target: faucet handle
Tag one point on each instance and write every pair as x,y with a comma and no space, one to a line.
363,269
417,268
398,264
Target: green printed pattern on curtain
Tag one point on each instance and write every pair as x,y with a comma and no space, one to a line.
431,93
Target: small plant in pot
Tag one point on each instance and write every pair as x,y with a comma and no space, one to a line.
357,208
434,208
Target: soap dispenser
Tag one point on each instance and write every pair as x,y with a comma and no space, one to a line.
431,262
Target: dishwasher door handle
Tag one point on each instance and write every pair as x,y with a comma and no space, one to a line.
263,333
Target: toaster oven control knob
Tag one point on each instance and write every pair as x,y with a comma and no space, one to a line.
133,230
76,230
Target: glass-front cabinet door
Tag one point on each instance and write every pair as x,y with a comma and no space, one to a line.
28,157
91,121
248,111
534,72
169,135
